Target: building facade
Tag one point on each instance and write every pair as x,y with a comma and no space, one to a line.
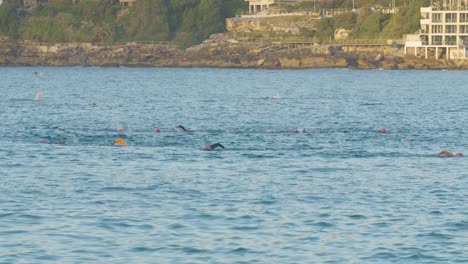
127,2
259,5
443,33
256,6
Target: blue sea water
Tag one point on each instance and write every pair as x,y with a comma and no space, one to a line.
340,192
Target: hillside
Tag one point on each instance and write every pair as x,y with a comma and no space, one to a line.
185,22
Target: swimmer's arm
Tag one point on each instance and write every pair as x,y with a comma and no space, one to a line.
217,145
444,152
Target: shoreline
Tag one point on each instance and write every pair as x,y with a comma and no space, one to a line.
220,51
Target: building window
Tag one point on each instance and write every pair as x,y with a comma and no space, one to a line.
451,29
464,40
436,40
463,29
436,17
463,17
451,18
437,29
450,40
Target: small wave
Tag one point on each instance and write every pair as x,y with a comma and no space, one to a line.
382,256
176,226
310,239
266,202
436,235
320,224
116,189
193,250
245,228
13,232
145,249
371,104
240,250
459,226
357,217
419,256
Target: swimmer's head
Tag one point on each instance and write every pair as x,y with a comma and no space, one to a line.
157,130
207,148
383,130
459,154
43,140
121,130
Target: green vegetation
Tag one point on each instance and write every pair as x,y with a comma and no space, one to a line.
185,22
372,24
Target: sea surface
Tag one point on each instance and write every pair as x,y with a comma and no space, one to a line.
339,191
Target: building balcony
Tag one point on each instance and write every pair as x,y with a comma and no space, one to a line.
425,21
426,9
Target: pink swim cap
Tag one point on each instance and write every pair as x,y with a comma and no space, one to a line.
383,130
459,154
44,140
207,148
121,130
157,130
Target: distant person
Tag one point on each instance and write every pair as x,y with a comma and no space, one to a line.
37,73
213,147
38,96
119,142
445,153
92,104
299,130
183,128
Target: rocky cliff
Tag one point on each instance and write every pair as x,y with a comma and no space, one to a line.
220,50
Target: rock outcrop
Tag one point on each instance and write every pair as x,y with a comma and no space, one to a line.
221,50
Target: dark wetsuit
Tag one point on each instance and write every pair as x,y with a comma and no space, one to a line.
183,128
217,145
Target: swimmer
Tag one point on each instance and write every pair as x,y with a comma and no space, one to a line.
445,153
92,104
157,130
38,96
183,128
383,130
212,147
37,73
295,131
119,142
121,130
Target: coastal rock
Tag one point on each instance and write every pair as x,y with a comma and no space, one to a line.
220,50
77,60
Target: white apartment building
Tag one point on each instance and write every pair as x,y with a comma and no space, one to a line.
444,32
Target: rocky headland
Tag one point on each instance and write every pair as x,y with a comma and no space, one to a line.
220,51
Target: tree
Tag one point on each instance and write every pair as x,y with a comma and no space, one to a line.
9,20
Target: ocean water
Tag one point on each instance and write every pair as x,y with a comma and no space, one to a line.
337,192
